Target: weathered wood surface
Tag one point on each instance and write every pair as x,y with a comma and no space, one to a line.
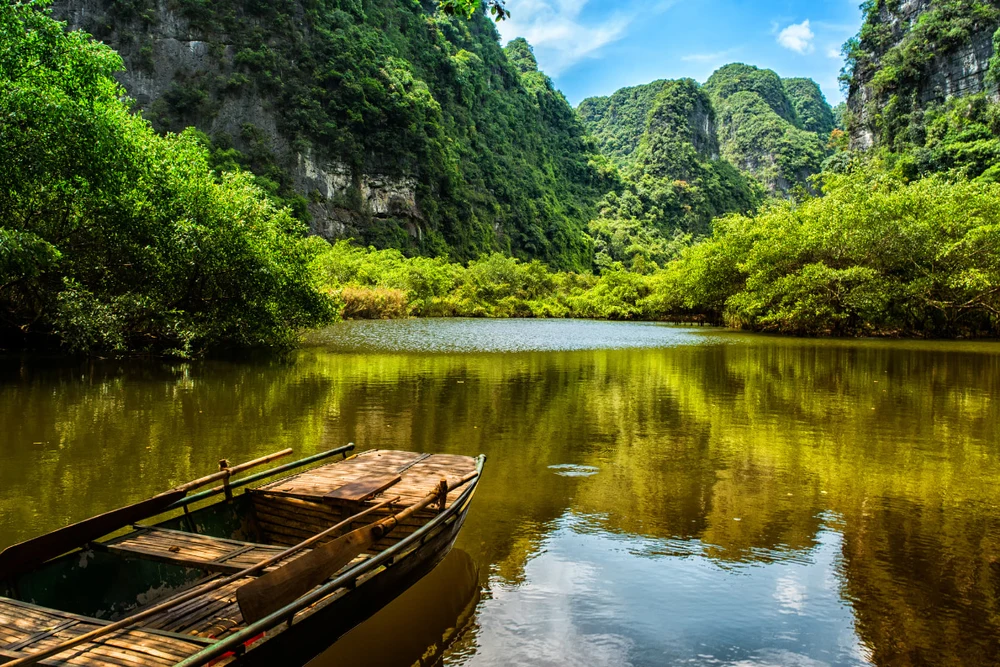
27,629
361,489
211,554
213,615
315,484
292,509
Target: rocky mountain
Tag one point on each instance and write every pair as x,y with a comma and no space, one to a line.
385,121
619,120
673,183
773,129
910,58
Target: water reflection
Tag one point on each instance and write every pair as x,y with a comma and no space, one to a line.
593,597
730,499
417,627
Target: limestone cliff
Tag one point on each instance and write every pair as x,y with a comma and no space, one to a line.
383,121
911,55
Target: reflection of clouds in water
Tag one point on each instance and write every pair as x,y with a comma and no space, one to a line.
534,624
790,594
589,596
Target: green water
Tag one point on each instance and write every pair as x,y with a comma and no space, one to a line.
653,495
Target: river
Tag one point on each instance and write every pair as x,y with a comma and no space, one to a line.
653,495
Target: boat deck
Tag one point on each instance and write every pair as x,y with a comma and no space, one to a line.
417,475
297,507
25,629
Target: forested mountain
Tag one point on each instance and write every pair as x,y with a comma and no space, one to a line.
673,183
387,121
774,129
923,78
618,121
398,125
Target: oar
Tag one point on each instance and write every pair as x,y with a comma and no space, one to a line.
269,593
198,591
21,557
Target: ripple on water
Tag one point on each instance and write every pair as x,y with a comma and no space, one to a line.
572,470
501,335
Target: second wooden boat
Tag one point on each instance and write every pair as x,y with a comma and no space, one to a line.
272,575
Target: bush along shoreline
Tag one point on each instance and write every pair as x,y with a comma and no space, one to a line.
874,255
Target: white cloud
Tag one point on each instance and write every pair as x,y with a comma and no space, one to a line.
833,52
559,33
797,37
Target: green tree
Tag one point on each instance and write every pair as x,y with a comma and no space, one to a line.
116,239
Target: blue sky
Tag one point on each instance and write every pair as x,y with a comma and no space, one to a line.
595,47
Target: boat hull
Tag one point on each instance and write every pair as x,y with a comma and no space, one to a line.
315,633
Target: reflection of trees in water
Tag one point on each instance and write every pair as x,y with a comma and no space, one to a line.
776,435
894,438
85,438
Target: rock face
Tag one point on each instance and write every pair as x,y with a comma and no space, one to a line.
169,51
955,70
961,72
386,121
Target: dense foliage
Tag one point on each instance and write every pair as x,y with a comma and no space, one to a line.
676,182
113,238
618,122
760,129
393,89
773,129
875,255
810,106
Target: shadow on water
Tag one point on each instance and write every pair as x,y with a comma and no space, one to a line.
417,627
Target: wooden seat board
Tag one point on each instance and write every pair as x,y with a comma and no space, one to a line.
40,628
192,550
361,489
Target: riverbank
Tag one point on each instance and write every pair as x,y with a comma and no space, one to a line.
876,255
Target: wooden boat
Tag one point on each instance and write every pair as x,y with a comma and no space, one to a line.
208,586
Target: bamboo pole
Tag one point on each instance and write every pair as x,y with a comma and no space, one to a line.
261,475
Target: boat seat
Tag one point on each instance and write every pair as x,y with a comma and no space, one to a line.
211,554
26,628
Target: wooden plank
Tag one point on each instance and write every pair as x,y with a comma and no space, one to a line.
124,648
361,489
194,551
38,636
